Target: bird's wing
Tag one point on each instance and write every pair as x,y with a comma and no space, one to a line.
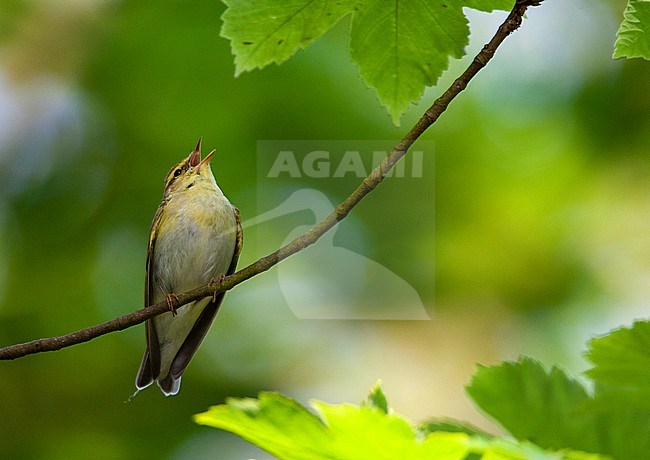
205,319
150,366
239,242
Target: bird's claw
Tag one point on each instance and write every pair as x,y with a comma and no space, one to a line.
171,299
212,282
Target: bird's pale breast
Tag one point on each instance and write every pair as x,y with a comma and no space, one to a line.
197,244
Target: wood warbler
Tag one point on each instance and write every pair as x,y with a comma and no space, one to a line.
195,237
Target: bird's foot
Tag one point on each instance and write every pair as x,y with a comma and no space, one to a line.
171,299
212,282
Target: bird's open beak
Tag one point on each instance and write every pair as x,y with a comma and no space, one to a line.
206,160
195,156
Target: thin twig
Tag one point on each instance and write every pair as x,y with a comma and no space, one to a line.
512,23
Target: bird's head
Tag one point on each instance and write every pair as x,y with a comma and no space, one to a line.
190,172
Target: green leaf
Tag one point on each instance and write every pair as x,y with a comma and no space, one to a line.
622,358
365,433
486,446
554,411
634,33
402,46
489,5
536,405
273,422
266,31
450,426
287,430
621,373
377,398
502,449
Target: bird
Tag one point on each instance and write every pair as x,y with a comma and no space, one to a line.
196,237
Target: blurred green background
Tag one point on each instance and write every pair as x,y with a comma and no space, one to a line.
533,236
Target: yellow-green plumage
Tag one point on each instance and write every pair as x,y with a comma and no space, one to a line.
195,237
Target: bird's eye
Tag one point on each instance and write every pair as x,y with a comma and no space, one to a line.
178,172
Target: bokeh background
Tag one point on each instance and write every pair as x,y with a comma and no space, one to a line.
534,234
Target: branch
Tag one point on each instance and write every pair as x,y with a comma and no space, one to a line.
512,23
